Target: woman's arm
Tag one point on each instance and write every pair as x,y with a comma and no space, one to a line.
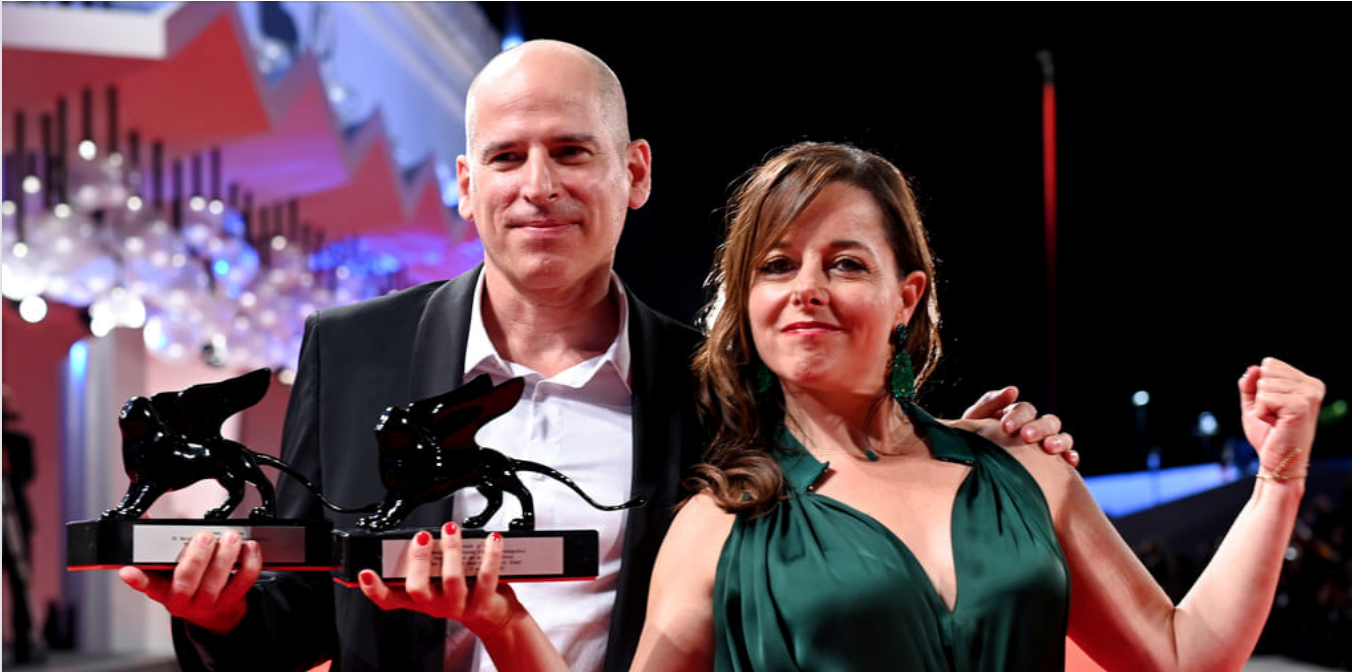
1121,617
678,633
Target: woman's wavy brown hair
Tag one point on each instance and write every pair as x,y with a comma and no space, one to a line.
740,471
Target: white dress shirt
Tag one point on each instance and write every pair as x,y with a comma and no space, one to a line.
579,422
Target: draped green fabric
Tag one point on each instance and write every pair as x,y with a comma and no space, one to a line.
819,586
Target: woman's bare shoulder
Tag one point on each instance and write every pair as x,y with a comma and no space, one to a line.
691,549
1053,474
701,517
1055,477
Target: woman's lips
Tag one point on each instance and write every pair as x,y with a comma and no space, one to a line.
809,328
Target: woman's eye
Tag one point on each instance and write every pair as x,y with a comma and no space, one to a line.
776,266
849,264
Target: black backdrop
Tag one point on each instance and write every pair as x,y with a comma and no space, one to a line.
1203,162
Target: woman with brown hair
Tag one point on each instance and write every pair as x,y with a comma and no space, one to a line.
837,526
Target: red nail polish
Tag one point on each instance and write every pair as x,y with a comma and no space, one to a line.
367,578
451,528
422,538
496,537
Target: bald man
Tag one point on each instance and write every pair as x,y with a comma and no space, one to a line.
548,177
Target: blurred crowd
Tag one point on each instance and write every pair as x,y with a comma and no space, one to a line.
1311,617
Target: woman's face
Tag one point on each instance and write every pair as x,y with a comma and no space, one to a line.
826,297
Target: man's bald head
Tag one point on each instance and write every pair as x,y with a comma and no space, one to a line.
551,57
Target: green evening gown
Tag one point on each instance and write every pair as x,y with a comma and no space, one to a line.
819,586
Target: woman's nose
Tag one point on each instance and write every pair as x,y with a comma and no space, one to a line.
809,288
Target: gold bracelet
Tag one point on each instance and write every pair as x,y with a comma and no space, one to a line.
1277,475
1284,477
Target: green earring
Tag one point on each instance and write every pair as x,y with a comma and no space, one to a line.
764,379
901,380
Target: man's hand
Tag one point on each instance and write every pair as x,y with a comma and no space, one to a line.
485,608
1020,419
204,588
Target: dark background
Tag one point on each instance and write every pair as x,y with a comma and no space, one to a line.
1203,163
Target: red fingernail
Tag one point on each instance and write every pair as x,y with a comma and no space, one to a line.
450,528
422,538
495,537
367,577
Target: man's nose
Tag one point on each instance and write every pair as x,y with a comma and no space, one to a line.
541,184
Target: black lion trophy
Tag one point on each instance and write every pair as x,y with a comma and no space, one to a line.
428,452
173,440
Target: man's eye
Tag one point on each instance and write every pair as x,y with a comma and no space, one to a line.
504,157
572,152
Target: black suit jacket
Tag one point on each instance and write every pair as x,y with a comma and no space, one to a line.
356,361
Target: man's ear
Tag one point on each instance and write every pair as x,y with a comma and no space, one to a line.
465,207
639,161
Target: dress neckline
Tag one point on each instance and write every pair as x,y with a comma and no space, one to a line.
802,469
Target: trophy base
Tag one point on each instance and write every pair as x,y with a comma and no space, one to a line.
540,555
289,545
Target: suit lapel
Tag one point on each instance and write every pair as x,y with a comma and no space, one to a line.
439,344
439,362
662,430
652,415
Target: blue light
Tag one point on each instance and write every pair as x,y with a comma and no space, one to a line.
220,267
232,222
1207,425
79,359
450,188
510,40
386,264
1125,494
156,334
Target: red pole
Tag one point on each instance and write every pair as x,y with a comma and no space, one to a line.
1049,215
